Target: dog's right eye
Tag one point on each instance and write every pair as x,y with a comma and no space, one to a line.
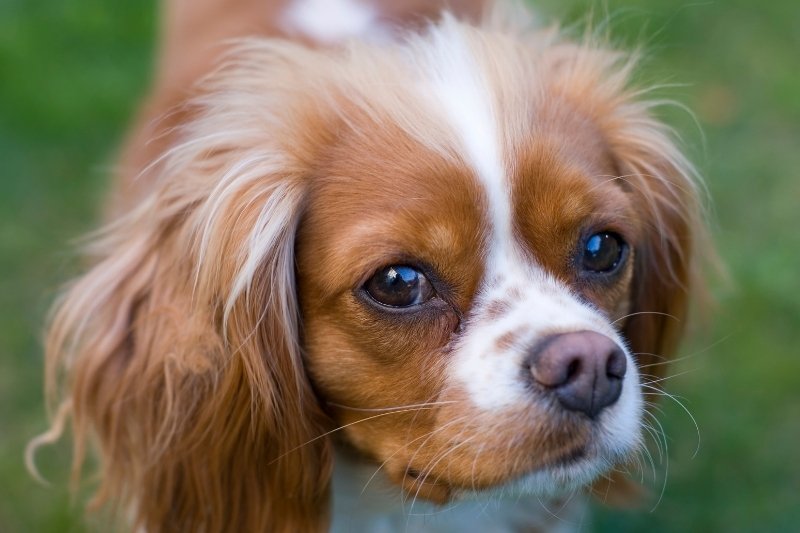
399,286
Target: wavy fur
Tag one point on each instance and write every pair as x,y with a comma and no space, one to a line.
179,349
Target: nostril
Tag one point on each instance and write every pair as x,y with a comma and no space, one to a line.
573,369
616,366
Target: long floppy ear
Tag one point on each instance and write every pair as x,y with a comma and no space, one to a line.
179,348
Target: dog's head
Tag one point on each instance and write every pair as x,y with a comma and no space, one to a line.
456,252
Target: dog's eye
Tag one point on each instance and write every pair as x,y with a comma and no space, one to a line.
399,286
603,252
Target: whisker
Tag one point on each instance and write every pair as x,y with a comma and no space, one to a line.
663,485
677,400
662,432
430,466
686,410
554,514
657,440
431,435
623,177
414,406
688,356
639,459
665,378
673,317
404,446
653,406
474,466
665,461
659,433
344,427
411,425
665,359
662,447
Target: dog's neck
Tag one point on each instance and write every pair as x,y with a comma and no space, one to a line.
363,500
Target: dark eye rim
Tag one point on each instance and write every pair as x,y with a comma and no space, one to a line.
438,298
597,275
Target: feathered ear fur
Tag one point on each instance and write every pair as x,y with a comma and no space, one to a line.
179,348
665,263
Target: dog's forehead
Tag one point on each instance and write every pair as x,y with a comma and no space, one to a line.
460,169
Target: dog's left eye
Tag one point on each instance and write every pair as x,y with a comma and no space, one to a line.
399,286
603,252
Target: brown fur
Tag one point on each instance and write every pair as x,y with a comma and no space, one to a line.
288,180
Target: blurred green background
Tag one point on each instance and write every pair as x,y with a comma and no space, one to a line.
71,74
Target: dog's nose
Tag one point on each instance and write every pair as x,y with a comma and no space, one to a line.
582,369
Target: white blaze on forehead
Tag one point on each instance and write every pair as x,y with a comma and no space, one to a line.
330,21
461,93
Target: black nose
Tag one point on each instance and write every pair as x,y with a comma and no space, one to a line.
582,369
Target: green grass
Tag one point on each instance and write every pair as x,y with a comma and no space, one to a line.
71,73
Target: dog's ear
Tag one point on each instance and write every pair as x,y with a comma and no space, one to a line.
664,260
659,178
179,350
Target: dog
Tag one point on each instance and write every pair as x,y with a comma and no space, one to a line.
374,267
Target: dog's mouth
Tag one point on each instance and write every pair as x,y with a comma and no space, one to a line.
426,485
571,457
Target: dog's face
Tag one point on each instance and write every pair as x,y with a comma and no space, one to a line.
457,252
435,293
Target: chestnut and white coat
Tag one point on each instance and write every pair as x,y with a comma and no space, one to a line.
375,267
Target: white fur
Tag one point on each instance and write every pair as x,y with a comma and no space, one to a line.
458,85
330,21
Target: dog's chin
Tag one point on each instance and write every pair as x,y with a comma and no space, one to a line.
612,441
571,469
569,473
566,472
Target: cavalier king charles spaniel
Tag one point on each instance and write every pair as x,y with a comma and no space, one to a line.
381,266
